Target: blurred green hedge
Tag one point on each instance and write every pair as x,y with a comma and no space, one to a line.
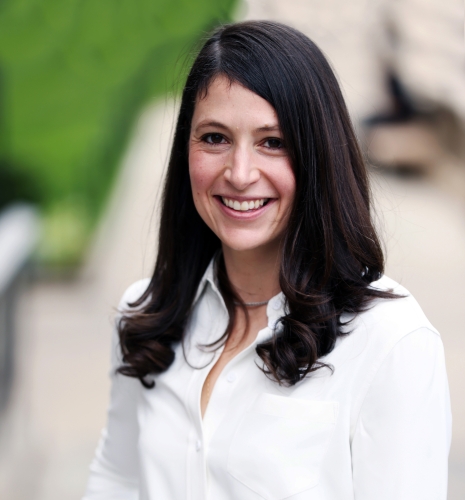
73,76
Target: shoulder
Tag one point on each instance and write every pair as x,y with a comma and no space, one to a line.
396,317
385,324
133,293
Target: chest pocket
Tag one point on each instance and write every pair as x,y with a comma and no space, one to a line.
279,445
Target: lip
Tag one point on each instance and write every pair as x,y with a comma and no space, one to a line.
239,215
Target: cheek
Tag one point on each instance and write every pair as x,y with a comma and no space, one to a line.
286,183
202,179
196,172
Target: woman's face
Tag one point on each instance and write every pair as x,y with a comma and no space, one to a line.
241,176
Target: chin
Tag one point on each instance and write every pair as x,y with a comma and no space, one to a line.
241,248
244,244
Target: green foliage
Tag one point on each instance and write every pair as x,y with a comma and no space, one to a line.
73,76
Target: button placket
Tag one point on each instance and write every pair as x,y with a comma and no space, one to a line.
224,390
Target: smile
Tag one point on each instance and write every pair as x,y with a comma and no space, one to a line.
244,206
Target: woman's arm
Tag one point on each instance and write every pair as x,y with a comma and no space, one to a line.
114,470
401,443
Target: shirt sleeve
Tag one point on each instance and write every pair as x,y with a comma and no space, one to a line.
114,471
402,438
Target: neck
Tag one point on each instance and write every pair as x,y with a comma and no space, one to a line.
254,274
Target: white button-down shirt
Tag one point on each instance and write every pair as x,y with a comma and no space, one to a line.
377,428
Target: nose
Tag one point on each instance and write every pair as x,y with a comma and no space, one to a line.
240,170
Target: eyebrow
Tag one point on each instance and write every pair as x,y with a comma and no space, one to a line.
211,124
269,128
265,128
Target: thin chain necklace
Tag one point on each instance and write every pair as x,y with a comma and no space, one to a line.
253,304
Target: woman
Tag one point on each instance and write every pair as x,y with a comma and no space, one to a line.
268,356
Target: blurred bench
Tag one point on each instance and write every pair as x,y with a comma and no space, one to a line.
19,229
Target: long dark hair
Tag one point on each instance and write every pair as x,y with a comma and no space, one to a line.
330,253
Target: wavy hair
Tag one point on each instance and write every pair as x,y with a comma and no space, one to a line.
330,252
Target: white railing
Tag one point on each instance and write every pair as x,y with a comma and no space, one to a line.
19,231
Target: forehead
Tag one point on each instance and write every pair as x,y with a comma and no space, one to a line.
225,100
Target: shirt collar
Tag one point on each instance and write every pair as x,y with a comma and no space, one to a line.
209,276
275,309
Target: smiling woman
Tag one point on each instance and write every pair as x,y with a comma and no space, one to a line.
268,356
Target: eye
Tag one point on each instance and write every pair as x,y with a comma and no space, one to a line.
274,143
213,139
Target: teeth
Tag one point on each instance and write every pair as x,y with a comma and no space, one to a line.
245,205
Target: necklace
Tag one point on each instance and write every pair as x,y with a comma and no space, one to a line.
253,304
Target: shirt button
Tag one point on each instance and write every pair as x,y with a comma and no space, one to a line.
198,445
231,377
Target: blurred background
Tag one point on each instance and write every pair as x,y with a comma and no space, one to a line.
87,102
